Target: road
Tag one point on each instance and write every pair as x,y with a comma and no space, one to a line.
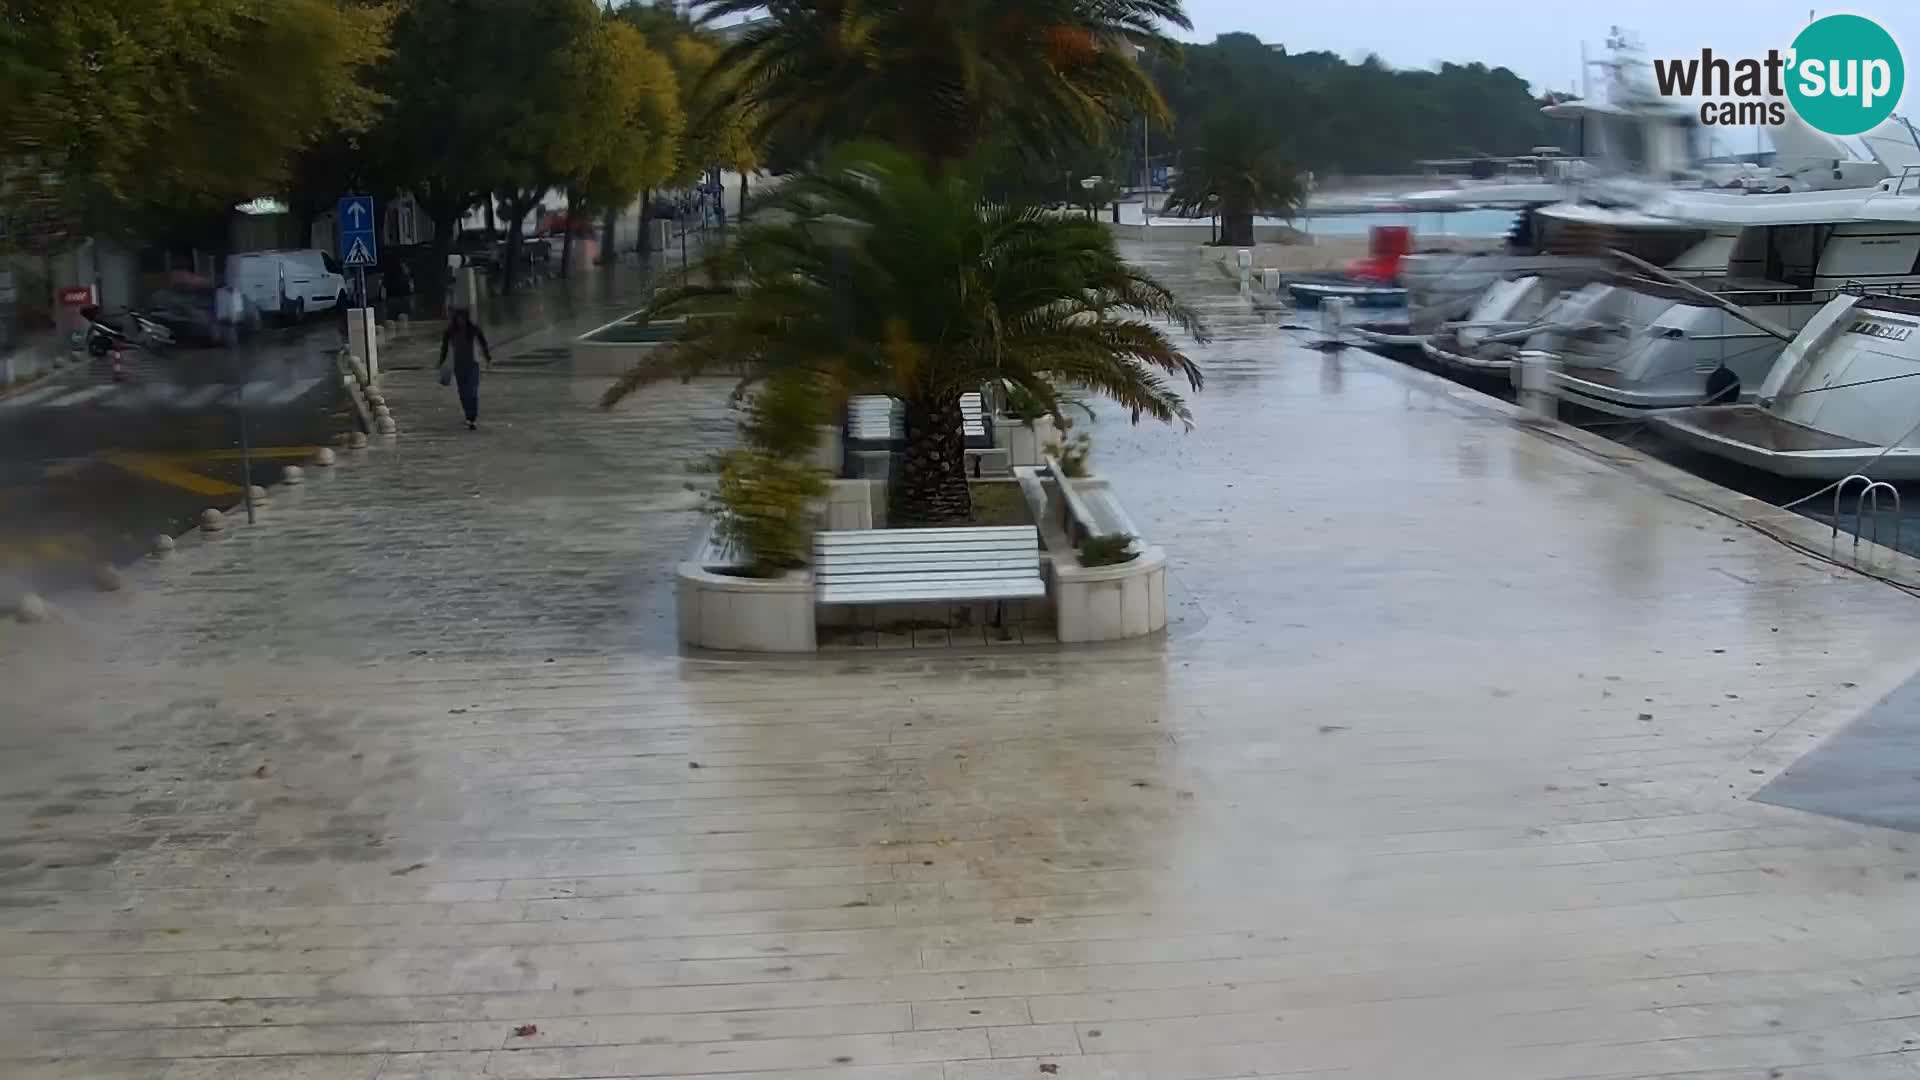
91,470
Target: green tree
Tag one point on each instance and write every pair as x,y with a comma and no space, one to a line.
626,136
481,92
109,112
881,277
939,76
1233,167
1354,118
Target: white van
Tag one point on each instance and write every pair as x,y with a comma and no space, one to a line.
291,283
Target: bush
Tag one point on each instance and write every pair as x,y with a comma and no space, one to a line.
763,508
784,415
1110,550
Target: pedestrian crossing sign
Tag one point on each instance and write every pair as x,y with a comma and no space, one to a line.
357,221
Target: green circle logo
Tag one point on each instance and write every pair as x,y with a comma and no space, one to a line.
1846,76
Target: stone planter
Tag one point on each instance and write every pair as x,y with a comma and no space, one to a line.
1110,603
720,611
1025,441
1095,603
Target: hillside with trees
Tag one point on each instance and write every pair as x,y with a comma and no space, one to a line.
1331,116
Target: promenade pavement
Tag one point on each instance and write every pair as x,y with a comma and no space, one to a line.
1444,769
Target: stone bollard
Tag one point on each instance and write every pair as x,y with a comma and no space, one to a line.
31,609
1533,372
258,494
381,410
293,475
212,520
1245,260
162,546
323,457
386,426
357,441
1333,316
106,578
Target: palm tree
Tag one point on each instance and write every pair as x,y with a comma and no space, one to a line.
878,276
1233,167
937,76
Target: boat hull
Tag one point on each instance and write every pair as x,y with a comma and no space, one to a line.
1748,435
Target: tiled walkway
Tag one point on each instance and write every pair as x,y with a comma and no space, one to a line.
1443,771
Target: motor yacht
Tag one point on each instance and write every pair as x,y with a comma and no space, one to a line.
1649,345
1842,399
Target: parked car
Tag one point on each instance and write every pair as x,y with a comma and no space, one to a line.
477,249
188,313
289,283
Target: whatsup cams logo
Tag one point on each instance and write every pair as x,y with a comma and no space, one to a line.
1842,75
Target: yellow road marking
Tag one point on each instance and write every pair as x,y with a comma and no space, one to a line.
292,453
163,468
37,549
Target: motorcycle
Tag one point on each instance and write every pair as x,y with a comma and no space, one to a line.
111,344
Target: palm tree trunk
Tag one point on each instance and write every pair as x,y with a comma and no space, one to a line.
1236,228
745,179
933,465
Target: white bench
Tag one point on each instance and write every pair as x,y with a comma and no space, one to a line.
874,418
973,422
908,566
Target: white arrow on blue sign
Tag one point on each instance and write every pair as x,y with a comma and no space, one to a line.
359,231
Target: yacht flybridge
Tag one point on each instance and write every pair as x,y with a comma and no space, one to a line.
1842,399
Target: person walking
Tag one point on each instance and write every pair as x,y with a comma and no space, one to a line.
461,336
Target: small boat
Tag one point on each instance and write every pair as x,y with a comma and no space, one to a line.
1361,293
1372,282
1842,399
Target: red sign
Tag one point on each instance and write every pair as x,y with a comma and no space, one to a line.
76,296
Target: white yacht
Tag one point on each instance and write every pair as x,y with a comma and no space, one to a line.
1565,291
1842,399
1644,345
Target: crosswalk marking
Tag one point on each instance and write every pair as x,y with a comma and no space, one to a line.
290,392
80,396
261,394
205,395
37,394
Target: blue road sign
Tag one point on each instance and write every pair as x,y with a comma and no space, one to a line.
359,231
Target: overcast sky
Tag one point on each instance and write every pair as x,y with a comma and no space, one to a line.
1539,40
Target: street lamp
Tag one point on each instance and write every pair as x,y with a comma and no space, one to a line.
1087,184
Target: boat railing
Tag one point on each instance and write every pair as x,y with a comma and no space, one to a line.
1908,182
1786,294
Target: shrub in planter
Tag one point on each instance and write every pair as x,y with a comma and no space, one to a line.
1073,454
762,506
1109,550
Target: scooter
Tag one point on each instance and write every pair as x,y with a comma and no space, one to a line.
104,341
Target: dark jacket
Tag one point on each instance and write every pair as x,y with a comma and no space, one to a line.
462,337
